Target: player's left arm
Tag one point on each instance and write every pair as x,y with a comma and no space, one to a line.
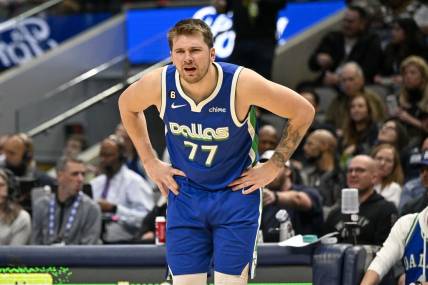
254,90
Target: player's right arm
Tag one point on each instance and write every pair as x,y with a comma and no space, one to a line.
133,101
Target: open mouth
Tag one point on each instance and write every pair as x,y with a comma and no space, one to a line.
189,69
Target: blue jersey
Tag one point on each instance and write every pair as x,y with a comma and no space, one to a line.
206,140
414,253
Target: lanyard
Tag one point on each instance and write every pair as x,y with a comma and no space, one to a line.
70,219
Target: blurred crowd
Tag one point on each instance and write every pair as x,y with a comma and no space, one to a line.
370,133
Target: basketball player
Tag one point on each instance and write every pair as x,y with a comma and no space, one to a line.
407,242
213,184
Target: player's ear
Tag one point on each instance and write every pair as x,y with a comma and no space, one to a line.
212,54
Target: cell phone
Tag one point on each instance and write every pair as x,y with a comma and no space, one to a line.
392,105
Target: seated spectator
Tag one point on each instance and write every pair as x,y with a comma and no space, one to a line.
268,138
302,203
392,132
376,215
415,193
147,233
360,129
67,216
323,172
19,158
314,98
406,242
124,196
351,84
421,18
298,159
413,97
309,93
74,145
390,174
2,141
413,158
406,40
15,223
353,43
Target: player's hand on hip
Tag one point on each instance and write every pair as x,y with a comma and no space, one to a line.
162,174
256,177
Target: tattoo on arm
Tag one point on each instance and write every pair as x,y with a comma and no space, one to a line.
289,141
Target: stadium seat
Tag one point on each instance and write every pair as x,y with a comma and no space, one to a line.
353,267
327,264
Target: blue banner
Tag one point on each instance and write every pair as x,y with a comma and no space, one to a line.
34,36
147,29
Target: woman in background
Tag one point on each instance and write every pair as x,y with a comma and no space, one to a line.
15,223
406,39
360,129
390,174
413,96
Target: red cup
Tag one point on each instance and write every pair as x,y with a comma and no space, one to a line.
160,225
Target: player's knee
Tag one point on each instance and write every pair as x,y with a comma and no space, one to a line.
190,279
227,279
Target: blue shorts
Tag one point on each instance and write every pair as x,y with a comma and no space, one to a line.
211,226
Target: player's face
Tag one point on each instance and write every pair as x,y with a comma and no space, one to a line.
192,57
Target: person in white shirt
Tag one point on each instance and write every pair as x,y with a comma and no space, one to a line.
124,196
406,242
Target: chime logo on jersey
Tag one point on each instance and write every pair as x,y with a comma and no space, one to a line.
198,132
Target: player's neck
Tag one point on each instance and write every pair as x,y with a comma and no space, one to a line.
202,89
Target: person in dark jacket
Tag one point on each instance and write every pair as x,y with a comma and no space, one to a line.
303,204
352,43
376,215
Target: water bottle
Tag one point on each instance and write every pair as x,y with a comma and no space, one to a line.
286,230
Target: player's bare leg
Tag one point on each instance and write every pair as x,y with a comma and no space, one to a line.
190,279
226,279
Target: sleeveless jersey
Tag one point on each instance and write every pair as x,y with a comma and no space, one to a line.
206,140
413,254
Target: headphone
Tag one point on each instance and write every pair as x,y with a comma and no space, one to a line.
11,183
120,143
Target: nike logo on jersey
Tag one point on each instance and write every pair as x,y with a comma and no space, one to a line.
173,106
